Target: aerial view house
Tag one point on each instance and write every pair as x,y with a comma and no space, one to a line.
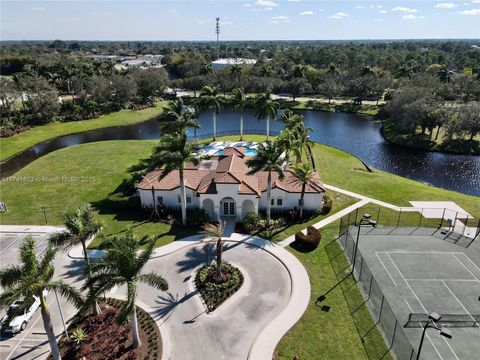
222,187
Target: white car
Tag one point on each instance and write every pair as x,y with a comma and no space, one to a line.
19,314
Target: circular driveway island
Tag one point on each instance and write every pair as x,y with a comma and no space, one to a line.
233,330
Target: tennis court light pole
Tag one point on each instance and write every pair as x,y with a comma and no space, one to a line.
432,323
365,220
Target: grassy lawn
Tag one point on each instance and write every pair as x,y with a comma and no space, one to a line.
366,109
419,141
112,160
327,330
15,144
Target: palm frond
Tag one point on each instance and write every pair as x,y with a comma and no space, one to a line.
153,280
10,276
67,291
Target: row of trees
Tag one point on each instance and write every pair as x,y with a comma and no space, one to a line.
174,150
32,99
420,104
121,265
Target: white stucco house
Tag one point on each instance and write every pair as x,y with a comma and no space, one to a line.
222,187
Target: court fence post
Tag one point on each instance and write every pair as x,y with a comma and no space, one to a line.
378,216
419,222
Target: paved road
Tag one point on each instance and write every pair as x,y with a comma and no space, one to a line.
32,342
230,331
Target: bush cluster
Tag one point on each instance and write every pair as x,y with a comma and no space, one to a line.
310,240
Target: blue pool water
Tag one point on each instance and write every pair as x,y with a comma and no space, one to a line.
248,152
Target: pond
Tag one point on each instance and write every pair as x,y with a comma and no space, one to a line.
348,132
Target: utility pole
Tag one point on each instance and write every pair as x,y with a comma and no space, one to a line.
217,31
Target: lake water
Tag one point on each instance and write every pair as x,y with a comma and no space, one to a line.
348,132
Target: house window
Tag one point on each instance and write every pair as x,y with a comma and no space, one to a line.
279,201
272,202
160,200
189,199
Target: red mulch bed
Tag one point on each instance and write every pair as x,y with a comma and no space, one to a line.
108,341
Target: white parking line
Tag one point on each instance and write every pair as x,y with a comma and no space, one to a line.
19,237
24,336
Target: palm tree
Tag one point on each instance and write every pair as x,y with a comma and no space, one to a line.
122,264
179,118
332,70
216,231
171,154
33,277
287,141
445,74
81,226
236,70
266,108
206,69
238,101
211,99
298,71
291,120
304,173
303,143
269,158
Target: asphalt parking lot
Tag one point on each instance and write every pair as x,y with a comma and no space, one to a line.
32,342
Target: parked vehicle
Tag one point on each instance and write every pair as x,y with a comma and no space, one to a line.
19,314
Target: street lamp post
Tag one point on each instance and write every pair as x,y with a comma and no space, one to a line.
61,315
365,220
432,323
44,210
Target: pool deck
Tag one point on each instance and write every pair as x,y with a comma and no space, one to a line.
212,148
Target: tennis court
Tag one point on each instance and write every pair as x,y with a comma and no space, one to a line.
402,274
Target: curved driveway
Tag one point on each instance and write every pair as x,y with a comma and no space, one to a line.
230,331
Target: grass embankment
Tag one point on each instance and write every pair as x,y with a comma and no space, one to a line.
363,109
427,142
15,144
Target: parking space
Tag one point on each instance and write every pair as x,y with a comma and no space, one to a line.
32,342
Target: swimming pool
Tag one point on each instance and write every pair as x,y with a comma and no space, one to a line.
248,152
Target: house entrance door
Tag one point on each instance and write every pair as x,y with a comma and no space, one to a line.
228,208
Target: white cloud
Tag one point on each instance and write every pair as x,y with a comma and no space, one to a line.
279,19
404,9
446,5
377,20
37,9
412,17
70,19
383,11
264,3
294,0
338,15
359,7
303,13
470,12
248,5
475,1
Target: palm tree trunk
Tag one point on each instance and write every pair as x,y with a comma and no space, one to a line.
269,196
214,125
219,252
134,325
95,307
241,125
47,324
438,131
268,126
302,196
183,200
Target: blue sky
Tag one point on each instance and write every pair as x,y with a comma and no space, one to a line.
241,20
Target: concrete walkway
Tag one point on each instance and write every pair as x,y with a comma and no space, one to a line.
275,294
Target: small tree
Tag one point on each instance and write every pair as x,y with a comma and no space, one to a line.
304,173
122,265
216,231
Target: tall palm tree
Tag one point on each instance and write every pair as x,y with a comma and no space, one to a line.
269,158
266,108
211,99
303,143
179,118
33,277
122,265
238,101
298,71
445,74
206,69
332,70
216,231
288,142
291,120
81,226
171,154
304,173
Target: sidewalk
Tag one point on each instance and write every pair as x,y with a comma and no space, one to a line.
30,228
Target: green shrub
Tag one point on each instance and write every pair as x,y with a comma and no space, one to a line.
309,241
327,205
252,222
120,202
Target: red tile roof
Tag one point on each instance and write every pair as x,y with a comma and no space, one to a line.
230,169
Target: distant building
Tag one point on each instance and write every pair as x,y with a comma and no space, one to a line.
221,63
